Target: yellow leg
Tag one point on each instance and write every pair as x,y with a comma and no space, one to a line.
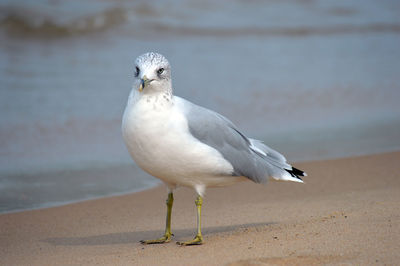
198,239
167,236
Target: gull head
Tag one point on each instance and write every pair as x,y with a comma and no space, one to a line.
152,73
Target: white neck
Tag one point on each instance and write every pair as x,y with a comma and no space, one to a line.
157,98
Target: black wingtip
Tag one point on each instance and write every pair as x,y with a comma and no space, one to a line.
296,173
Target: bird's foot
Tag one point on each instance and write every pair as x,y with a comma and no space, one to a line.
164,239
197,240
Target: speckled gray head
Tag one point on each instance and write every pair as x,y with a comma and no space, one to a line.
152,73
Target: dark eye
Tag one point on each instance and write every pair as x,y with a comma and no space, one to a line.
160,71
137,72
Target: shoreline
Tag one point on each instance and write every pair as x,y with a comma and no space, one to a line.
346,212
148,186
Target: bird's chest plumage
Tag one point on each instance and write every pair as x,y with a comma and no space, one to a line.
147,130
158,139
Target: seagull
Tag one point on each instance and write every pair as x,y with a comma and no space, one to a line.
184,144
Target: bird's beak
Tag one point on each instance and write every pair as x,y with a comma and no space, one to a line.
144,82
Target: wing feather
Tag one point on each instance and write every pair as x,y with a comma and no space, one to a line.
250,158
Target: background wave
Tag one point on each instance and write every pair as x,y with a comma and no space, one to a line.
31,23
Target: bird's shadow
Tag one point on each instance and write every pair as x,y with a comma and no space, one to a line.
135,237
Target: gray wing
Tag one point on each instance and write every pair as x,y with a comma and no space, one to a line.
249,158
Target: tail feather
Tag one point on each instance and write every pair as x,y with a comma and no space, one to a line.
296,173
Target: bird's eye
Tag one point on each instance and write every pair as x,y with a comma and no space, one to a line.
160,71
137,72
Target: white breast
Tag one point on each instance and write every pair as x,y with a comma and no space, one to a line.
157,136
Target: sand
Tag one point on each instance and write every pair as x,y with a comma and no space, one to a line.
347,213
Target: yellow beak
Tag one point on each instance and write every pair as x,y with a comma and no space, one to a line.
143,82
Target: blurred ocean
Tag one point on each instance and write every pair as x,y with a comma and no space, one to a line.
314,79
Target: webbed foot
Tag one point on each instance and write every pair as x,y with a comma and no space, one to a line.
197,240
164,239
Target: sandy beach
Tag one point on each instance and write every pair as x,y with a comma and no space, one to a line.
346,213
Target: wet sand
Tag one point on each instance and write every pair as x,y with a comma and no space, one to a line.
347,213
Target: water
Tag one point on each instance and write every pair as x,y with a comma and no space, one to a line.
313,79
